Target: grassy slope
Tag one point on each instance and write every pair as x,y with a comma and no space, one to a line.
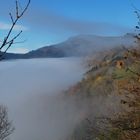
114,98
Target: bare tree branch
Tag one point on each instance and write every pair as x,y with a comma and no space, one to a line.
6,40
5,125
11,18
17,11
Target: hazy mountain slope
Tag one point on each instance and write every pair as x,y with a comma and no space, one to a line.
111,88
81,45
13,56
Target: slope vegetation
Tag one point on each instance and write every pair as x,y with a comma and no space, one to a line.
111,89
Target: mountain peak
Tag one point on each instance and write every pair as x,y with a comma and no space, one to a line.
82,45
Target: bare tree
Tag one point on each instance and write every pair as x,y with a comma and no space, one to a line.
6,127
8,42
137,27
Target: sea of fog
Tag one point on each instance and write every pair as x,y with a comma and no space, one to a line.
29,87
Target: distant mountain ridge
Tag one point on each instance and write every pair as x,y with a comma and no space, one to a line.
81,45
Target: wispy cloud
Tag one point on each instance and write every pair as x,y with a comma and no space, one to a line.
19,50
6,26
57,23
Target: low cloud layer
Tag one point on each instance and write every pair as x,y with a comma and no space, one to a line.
31,89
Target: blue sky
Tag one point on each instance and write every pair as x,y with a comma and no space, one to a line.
52,21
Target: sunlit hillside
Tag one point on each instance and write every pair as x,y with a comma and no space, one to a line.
112,89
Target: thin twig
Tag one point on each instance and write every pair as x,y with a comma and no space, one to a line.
6,40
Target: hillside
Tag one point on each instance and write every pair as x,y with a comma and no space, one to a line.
111,89
81,45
